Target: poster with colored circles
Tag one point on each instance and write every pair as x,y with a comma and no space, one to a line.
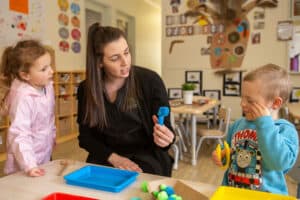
69,26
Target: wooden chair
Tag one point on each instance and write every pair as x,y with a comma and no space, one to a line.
218,134
179,145
176,155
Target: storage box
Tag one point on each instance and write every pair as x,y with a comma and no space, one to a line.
64,196
64,106
65,126
182,188
64,89
75,124
232,193
3,140
75,106
64,78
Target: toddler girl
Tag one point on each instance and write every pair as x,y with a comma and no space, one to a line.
28,98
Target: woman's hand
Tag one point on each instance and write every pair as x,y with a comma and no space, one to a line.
161,134
123,163
35,172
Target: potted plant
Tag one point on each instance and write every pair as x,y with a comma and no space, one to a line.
188,92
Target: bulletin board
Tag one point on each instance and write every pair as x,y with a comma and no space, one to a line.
20,19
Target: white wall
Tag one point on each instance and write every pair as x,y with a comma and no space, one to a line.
147,32
186,56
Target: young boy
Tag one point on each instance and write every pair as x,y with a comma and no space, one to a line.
263,147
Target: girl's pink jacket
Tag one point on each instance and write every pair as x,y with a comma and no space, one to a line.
32,132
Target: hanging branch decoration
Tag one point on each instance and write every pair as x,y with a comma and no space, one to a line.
173,43
228,47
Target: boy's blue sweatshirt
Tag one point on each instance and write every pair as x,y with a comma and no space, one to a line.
262,151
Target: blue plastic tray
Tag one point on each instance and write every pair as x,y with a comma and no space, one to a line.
101,178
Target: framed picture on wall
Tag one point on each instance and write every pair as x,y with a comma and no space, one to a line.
232,84
169,20
213,94
295,9
231,90
182,19
174,93
193,76
235,77
285,30
295,94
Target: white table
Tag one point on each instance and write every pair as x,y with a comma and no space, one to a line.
21,187
194,110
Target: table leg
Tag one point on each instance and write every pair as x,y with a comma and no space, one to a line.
215,116
172,120
193,138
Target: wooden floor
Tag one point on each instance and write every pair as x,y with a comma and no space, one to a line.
204,171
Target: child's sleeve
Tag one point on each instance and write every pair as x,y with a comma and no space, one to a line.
19,136
278,143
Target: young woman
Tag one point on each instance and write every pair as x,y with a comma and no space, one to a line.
117,106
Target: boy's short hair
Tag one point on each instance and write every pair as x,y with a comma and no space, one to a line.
275,81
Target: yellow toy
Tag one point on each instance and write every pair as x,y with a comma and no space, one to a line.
227,154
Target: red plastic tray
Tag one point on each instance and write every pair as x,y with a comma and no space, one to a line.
64,196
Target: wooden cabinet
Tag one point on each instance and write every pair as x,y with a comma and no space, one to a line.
65,86
3,132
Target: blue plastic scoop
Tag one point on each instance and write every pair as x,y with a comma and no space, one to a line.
163,111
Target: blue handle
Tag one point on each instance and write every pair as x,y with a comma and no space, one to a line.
163,111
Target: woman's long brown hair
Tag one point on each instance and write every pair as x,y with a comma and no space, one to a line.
95,112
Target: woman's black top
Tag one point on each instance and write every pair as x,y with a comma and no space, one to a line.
129,134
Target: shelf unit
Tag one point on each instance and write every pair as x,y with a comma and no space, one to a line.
65,86
4,123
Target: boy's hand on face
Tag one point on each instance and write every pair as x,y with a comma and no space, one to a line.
259,110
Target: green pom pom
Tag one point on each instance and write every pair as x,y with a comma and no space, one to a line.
162,196
144,186
162,187
178,197
155,193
